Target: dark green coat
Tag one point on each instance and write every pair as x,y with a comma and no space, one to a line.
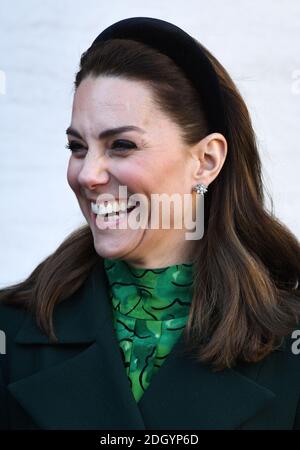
81,383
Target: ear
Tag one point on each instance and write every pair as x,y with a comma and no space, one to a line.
209,155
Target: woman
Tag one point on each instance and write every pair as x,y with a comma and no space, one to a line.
140,327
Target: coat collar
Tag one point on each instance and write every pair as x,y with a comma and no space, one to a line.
91,391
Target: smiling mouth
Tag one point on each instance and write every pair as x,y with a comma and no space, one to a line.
114,214
128,210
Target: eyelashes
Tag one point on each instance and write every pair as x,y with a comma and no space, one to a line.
127,145
122,146
73,146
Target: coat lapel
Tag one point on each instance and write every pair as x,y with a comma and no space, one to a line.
89,389
189,395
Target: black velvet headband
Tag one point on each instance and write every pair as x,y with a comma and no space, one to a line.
185,52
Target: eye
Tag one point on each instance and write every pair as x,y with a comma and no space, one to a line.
122,145
74,147
118,145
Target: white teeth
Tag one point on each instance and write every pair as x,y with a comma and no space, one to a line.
94,208
112,207
102,209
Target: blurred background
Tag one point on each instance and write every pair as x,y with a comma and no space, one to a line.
41,42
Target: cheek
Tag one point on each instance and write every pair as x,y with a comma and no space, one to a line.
167,175
72,176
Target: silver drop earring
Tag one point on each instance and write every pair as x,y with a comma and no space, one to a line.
200,188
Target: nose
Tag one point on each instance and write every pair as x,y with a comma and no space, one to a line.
94,171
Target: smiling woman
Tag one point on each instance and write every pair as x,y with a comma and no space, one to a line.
140,327
156,160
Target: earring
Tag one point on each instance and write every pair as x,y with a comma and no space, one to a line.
200,188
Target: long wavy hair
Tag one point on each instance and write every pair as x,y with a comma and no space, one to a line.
247,265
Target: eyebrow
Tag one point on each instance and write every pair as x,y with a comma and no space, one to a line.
107,133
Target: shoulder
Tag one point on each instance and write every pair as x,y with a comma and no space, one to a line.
292,382
280,372
11,318
287,355
278,375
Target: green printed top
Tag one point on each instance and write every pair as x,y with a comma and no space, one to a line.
150,310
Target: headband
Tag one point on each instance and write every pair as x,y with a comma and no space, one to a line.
184,50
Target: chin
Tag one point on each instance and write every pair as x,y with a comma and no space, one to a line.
117,247
106,249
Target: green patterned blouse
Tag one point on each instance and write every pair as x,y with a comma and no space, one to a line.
150,309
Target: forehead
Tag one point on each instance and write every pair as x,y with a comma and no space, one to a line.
111,99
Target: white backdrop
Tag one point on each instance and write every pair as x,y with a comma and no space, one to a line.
41,41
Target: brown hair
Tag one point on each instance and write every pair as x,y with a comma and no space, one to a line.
246,292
